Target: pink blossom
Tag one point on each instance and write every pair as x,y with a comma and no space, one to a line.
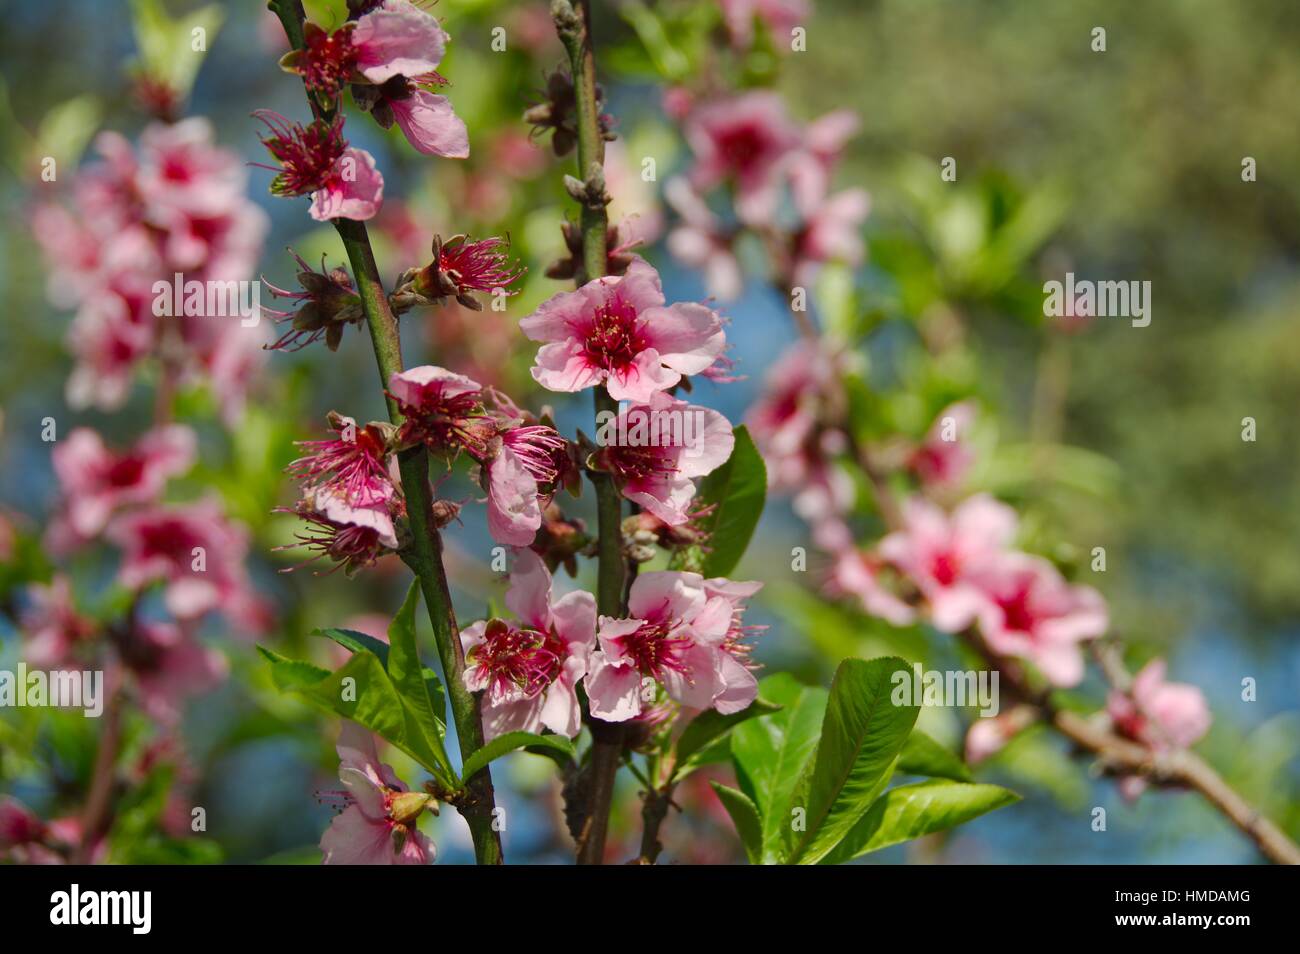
514,512
378,823
654,450
431,125
529,671
351,468
182,173
939,462
170,666
678,635
858,574
353,538
192,549
316,160
831,232
96,482
745,140
942,554
54,633
397,39
1163,715
443,410
779,16
987,736
617,331
1031,611
699,241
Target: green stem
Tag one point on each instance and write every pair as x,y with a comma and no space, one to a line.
573,24
425,554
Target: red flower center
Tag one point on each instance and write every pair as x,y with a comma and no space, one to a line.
654,649
614,337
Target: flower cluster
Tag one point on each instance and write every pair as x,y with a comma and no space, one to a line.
778,176
388,54
684,635
136,218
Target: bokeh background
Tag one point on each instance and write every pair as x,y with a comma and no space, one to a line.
1121,164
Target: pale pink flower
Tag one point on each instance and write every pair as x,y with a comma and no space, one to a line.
378,823
779,16
857,574
431,125
95,481
653,451
617,331
170,666
397,39
195,551
1163,715
525,460
676,635
941,463
1031,611
699,241
745,140
987,736
54,633
942,554
529,670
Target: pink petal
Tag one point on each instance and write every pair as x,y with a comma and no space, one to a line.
431,125
398,39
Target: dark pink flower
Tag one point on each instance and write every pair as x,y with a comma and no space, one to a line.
443,410
676,635
653,451
96,482
378,823
617,332
316,160
352,467
529,670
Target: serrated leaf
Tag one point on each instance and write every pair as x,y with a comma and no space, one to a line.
509,742
744,815
861,737
737,491
922,755
772,751
910,811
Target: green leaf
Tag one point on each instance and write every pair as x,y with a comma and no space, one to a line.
509,742
167,44
705,734
922,755
744,815
393,697
772,751
861,737
737,490
356,642
910,811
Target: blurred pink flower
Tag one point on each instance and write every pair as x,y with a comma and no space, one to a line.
745,140
95,481
1031,611
779,16
170,666
196,552
529,671
699,241
654,450
677,635
316,160
1163,715
377,825
617,331
939,463
857,574
942,554
53,631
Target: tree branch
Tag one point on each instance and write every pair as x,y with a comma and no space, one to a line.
425,556
573,24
